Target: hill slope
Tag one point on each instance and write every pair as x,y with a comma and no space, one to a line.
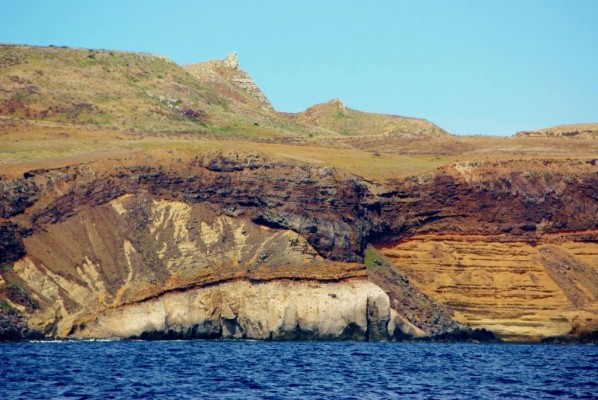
103,88
148,93
335,116
572,131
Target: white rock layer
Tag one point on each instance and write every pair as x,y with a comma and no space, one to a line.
352,309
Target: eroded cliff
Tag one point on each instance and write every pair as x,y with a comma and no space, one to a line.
90,249
280,309
509,246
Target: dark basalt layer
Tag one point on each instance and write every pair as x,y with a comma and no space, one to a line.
11,245
336,213
521,199
463,335
13,327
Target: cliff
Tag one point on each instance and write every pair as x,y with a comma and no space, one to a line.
92,246
242,222
86,249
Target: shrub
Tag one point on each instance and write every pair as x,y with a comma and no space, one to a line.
193,114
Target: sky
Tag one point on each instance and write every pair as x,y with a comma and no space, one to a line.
472,67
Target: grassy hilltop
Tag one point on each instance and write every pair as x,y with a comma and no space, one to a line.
62,105
103,88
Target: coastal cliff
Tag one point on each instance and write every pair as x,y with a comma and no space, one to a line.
186,206
92,247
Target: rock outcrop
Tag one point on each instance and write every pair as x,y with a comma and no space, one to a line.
515,289
225,76
278,310
13,327
136,248
510,247
102,241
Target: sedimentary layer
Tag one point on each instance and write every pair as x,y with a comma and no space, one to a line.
518,290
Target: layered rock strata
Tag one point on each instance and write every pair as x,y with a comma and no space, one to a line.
517,290
511,243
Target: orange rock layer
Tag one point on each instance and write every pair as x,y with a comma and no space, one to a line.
520,291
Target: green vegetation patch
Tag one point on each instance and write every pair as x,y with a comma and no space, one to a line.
5,306
374,260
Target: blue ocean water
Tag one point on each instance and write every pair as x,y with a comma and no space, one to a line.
275,370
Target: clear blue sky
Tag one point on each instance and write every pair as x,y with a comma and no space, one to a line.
490,67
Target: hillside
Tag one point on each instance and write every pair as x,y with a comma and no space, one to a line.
335,116
131,217
570,131
147,93
129,91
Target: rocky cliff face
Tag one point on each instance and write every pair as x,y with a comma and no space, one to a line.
111,256
511,247
131,247
520,199
91,244
518,290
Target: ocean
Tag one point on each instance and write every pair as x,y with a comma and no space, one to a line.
280,370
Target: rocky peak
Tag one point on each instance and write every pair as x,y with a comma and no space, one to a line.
339,104
231,60
226,77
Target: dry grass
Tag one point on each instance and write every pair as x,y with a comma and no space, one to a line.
72,105
99,87
26,145
571,130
